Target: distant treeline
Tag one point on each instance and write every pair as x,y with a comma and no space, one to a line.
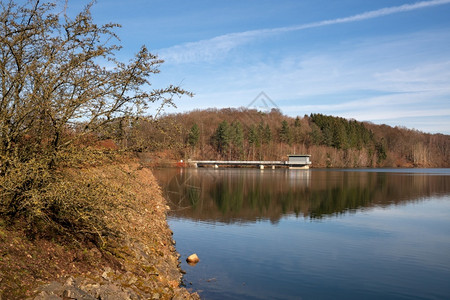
248,134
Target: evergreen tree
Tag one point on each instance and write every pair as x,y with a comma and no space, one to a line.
267,135
340,134
237,139
260,131
221,138
297,122
253,139
194,135
285,133
381,150
253,136
316,134
297,134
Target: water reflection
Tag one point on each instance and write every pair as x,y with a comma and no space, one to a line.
391,239
246,195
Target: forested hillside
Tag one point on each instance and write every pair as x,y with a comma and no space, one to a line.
248,134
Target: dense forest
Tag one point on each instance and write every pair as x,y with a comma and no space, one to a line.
248,134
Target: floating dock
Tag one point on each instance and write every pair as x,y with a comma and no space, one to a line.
294,162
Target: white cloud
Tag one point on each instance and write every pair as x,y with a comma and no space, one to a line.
385,79
211,49
361,67
426,111
430,76
357,82
205,50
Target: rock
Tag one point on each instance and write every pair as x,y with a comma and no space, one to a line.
156,296
69,281
46,296
106,272
105,275
69,294
193,259
132,280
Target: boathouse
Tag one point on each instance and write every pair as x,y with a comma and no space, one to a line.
296,161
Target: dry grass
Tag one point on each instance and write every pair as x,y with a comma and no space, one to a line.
121,227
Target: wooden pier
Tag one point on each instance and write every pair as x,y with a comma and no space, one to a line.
294,162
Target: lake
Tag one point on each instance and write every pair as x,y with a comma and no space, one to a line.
312,234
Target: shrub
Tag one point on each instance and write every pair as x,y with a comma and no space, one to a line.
69,204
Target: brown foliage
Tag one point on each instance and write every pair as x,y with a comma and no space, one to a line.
56,99
386,147
130,205
412,148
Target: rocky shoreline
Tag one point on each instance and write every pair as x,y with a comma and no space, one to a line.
142,264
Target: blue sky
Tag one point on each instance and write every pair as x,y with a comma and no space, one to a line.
382,61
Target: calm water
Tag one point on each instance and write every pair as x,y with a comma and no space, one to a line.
317,234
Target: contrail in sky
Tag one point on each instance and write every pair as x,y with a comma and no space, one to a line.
210,48
369,15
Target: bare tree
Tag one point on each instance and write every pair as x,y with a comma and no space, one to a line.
58,71
60,82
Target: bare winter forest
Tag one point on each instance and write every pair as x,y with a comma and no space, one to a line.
248,134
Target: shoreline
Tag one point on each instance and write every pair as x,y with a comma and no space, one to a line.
142,264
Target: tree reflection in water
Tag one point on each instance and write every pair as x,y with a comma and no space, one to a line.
246,195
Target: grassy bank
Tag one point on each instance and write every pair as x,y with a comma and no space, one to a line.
137,259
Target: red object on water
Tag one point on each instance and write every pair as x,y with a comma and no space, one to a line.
181,164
